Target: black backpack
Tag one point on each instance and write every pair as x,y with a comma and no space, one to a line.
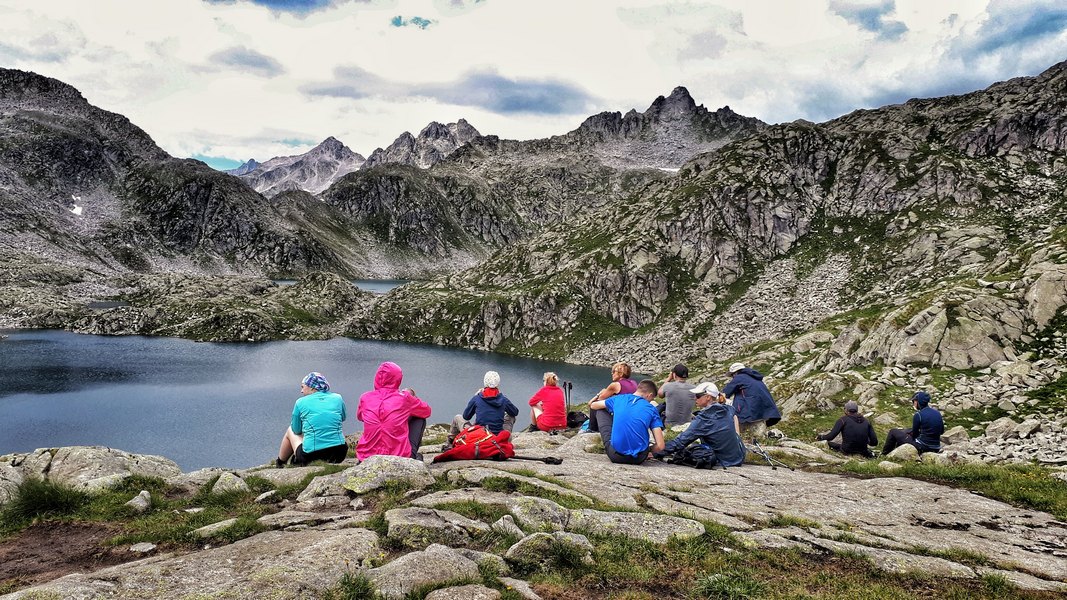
575,419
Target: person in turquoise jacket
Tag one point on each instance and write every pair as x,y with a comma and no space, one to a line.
315,430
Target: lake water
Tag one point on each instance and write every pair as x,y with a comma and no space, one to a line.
227,405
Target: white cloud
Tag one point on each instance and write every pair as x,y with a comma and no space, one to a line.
231,78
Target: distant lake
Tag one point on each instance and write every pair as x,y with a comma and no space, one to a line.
225,404
374,286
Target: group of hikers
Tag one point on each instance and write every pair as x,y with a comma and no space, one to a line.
630,417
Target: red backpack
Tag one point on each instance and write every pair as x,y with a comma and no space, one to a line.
477,443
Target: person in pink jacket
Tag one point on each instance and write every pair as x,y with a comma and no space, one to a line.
393,419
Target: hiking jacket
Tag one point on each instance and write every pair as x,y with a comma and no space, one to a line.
752,399
927,427
554,406
385,412
714,426
489,405
856,434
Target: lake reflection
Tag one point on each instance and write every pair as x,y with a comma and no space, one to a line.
209,404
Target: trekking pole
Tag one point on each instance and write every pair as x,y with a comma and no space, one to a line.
548,460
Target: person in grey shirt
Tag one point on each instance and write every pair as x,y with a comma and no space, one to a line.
678,408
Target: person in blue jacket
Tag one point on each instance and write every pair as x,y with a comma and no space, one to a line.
752,401
314,431
926,428
625,423
717,429
489,408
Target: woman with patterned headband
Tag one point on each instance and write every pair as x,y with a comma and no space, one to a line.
315,430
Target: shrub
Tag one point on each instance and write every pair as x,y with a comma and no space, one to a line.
38,498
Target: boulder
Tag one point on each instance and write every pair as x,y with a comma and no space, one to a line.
288,518
417,527
520,587
1002,427
228,482
10,480
141,502
642,526
956,435
537,551
507,526
1027,428
378,471
538,513
886,465
94,468
464,592
326,485
194,480
436,564
293,564
280,477
495,562
904,453
211,530
142,548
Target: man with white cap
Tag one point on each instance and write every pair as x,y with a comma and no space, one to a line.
752,400
716,427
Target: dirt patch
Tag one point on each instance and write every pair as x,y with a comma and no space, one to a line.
45,551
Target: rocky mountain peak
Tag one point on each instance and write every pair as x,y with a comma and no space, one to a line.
247,167
313,171
677,104
434,143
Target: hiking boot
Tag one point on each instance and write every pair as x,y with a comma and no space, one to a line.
532,429
279,463
418,456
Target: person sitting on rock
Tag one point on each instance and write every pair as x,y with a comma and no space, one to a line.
488,408
393,419
927,425
856,433
625,422
314,432
679,400
548,409
752,400
620,384
717,428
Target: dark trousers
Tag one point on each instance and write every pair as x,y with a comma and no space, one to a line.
865,452
897,437
600,420
416,427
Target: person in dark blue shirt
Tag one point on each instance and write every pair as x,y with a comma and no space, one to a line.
625,422
752,400
926,428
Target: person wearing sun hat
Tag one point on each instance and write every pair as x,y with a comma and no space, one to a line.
752,400
927,425
314,431
856,432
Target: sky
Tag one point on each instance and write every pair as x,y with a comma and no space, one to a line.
228,80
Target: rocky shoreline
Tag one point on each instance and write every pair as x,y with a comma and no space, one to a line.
531,510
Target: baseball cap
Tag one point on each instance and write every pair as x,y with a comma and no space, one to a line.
705,388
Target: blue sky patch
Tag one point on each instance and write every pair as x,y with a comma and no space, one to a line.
870,17
219,163
419,22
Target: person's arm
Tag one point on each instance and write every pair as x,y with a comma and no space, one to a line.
872,436
537,398
670,378
833,432
613,388
657,434
344,413
698,427
737,426
916,426
468,412
595,404
510,408
731,388
295,423
419,409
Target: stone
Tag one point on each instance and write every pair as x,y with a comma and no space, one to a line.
896,561
10,480
956,435
495,562
507,526
1024,581
472,494
520,587
142,548
266,497
642,526
774,539
886,465
534,551
327,503
436,564
378,471
886,419
1027,428
538,513
301,564
288,518
464,592
93,468
475,475
1000,428
228,482
418,527
210,530
326,485
1006,406
280,477
904,453
194,480
141,502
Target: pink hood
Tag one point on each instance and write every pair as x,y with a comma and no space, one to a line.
385,413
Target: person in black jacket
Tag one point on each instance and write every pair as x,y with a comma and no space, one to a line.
717,429
856,433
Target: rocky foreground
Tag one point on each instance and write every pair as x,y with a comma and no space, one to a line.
308,544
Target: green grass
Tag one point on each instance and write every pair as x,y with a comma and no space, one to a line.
487,513
1025,486
38,499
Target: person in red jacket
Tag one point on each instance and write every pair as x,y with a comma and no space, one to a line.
548,410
